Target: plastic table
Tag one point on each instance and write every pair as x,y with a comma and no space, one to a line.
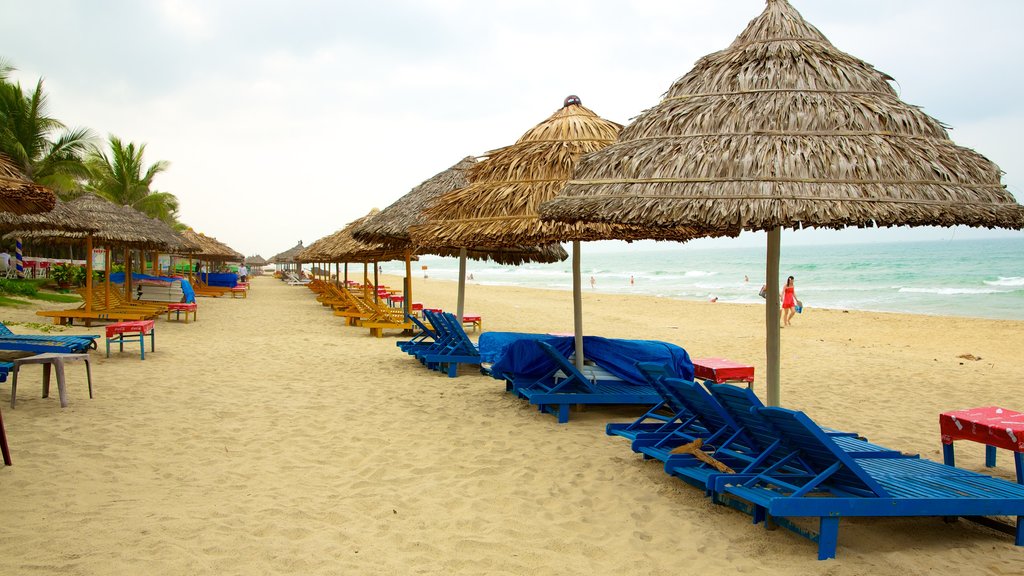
720,370
131,331
57,360
992,426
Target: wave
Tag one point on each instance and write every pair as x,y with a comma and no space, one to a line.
1006,281
951,291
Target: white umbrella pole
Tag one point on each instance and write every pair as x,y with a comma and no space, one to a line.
577,304
771,311
461,306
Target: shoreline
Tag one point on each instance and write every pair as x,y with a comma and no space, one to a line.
269,438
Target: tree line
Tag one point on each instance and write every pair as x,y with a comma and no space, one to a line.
73,161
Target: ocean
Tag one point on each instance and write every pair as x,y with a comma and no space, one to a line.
973,278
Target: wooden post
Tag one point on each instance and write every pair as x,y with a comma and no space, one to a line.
88,273
460,306
106,284
771,311
577,304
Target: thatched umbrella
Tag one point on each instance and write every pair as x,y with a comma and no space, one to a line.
20,195
391,227
288,256
208,248
115,225
783,130
499,207
342,246
255,260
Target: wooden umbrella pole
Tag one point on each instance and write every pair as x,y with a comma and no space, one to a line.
346,274
577,304
771,311
376,283
128,273
461,305
337,273
88,273
366,281
106,270
407,289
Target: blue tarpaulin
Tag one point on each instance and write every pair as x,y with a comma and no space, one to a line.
224,279
186,287
522,358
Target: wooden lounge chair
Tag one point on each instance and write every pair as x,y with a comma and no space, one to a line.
839,485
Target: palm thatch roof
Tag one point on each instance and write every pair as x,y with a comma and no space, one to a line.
255,260
62,218
782,129
288,256
342,246
19,195
115,225
207,247
390,227
499,206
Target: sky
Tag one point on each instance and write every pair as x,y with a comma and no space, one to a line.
283,121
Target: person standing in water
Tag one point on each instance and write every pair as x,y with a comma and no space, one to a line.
788,301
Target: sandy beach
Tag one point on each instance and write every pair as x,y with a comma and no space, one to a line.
269,438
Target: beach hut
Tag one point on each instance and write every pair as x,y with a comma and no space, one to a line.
500,205
783,130
286,259
390,227
19,195
255,264
106,223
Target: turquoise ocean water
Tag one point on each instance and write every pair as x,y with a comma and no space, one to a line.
976,278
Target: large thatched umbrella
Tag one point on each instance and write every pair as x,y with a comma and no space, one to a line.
115,225
390,228
499,207
19,195
288,256
255,260
783,130
342,246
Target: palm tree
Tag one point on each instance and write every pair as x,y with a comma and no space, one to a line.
25,132
123,178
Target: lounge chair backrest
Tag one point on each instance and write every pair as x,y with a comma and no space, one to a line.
739,402
818,451
567,367
457,331
655,375
4,330
701,404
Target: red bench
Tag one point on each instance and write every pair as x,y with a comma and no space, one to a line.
720,370
131,331
179,307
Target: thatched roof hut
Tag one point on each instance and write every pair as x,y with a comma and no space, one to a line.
112,225
61,218
288,256
343,247
391,226
499,206
207,247
255,260
20,195
783,130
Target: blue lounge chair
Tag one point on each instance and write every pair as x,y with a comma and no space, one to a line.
426,337
708,422
458,348
565,385
42,343
667,414
839,485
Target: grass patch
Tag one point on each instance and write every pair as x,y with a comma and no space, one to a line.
8,301
37,326
55,297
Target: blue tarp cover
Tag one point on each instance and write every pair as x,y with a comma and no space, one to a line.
522,358
223,279
186,287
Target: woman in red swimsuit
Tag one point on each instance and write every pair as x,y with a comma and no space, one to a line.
788,301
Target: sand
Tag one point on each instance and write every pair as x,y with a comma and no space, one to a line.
269,438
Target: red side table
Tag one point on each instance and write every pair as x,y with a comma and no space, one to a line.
131,331
720,370
992,426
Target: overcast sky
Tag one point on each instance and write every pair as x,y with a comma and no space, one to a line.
286,120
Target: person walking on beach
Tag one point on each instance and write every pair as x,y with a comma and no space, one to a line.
788,301
243,273
593,283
